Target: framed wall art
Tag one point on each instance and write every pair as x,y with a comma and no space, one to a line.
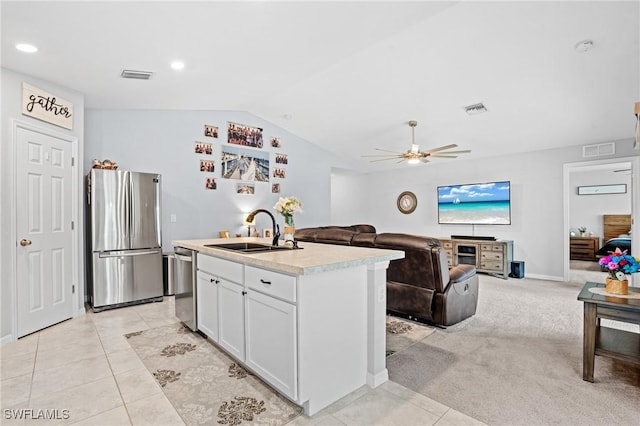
241,134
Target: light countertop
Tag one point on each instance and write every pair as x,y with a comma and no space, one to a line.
312,259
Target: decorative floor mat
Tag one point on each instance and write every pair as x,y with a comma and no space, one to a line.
205,385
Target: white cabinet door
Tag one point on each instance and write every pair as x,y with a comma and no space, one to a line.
207,305
271,341
231,318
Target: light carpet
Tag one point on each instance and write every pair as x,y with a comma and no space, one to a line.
203,384
518,361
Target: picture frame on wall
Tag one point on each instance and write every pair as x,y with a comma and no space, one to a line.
282,159
241,134
244,164
207,166
211,131
203,148
246,188
210,184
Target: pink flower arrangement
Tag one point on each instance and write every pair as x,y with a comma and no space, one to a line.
619,263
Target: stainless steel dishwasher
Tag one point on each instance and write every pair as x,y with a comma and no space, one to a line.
185,287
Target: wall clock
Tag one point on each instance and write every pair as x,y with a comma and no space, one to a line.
407,202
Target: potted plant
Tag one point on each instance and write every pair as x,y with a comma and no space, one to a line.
583,231
287,207
618,264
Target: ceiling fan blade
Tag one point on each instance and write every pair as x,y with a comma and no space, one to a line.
424,160
381,155
386,150
383,159
463,151
443,156
442,148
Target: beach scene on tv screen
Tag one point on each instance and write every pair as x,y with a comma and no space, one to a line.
481,203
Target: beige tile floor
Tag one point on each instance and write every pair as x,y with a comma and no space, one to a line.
85,365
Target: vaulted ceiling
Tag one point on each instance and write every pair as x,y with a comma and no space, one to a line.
349,75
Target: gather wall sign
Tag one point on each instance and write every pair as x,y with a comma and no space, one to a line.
44,106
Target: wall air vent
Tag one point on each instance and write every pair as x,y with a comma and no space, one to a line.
136,75
475,109
599,150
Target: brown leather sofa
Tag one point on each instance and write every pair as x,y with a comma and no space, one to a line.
420,286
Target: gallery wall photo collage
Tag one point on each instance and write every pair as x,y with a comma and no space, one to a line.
243,158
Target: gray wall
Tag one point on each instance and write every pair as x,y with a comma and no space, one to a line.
11,83
536,193
163,142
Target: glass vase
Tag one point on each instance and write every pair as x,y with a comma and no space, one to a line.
289,228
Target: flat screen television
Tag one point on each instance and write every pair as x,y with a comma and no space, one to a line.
477,203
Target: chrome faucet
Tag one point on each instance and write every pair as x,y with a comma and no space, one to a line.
276,228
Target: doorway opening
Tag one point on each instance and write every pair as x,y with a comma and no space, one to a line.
587,211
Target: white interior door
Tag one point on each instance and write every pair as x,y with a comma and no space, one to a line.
44,235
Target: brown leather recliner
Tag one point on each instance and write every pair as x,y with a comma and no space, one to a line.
420,286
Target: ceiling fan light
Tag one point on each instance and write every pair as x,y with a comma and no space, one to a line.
413,161
414,149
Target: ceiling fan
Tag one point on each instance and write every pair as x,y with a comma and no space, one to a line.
414,155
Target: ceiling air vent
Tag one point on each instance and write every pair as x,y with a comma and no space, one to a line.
475,109
137,75
599,150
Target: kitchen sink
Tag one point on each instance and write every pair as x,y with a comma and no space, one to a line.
247,247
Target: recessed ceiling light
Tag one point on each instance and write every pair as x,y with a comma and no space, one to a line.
27,48
177,65
583,46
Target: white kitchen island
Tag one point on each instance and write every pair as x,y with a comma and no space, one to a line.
310,322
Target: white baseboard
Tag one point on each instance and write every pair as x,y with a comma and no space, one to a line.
6,339
544,277
375,380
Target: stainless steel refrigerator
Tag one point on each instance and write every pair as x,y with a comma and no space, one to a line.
124,242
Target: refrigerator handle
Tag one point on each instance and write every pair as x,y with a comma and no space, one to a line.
128,206
127,253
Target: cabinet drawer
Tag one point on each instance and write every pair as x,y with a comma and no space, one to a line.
492,255
448,252
447,244
583,243
490,265
227,269
486,247
271,283
497,247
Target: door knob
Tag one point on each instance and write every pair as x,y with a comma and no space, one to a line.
24,242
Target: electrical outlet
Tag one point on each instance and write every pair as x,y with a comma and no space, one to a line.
173,218
381,291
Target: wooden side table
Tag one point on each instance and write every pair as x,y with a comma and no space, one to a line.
606,341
